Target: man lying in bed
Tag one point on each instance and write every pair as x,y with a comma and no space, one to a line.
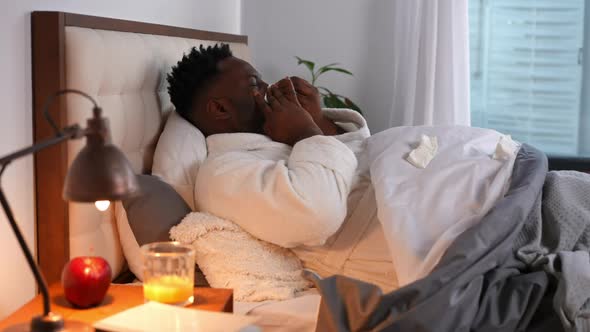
285,171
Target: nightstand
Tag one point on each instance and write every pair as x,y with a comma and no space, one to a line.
119,297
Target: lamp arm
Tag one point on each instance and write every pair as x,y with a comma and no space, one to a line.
67,133
51,98
28,255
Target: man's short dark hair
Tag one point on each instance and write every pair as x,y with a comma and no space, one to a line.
192,73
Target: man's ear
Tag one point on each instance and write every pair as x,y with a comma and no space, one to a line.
219,108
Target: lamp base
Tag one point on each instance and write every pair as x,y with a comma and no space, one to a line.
51,323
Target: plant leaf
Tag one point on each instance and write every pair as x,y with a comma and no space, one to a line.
328,101
309,64
320,70
340,103
332,101
352,105
341,70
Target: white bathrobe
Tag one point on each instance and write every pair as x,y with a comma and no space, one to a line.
314,197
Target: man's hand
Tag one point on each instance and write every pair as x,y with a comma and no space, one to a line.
286,121
309,98
307,94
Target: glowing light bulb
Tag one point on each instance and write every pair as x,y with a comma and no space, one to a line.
102,205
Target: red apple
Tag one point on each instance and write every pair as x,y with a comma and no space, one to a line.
86,280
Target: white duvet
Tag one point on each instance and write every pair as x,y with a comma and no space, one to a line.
423,210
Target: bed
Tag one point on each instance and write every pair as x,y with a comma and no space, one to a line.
476,283
123,65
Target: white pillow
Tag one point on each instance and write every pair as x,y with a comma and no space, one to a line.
180,151
129,244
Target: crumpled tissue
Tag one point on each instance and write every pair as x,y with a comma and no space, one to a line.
424,153
506,148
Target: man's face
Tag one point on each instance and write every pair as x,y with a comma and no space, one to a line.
237,80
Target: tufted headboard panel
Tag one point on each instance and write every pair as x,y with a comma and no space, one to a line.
123,65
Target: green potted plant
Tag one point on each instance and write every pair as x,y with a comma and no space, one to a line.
330,99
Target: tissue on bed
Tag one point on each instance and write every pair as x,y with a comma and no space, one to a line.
231,258
423,154
506,148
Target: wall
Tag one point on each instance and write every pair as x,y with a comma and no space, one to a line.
16,282
354,33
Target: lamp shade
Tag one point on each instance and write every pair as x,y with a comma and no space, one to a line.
100,172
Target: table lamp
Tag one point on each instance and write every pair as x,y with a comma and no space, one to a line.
100,173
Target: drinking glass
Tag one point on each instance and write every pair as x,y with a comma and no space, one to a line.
168,273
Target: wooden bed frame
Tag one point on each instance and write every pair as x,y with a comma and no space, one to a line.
48,70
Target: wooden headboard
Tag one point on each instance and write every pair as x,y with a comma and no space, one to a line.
49,70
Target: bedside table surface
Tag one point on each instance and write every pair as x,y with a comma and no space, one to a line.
119,297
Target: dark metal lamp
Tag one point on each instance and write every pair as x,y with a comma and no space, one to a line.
100,172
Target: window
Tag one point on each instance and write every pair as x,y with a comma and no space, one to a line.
528,73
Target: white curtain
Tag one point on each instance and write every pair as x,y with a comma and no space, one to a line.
431,63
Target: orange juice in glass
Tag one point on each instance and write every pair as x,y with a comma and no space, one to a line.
168,273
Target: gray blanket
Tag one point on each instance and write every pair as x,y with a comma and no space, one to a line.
556,239
479,284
